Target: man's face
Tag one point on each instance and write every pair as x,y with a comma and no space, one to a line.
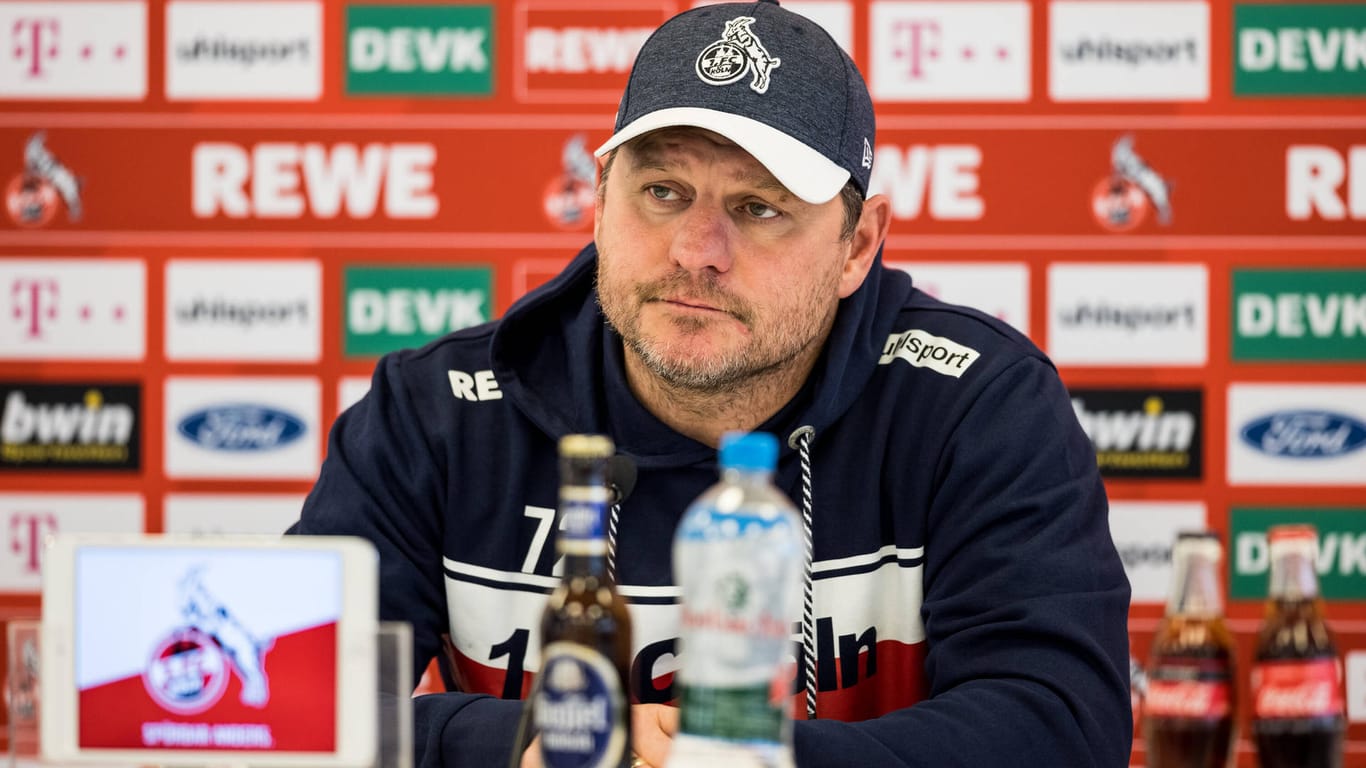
710,270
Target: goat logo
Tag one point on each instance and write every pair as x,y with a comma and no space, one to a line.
739,51
188,670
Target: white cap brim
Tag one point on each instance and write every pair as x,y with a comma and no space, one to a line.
808,174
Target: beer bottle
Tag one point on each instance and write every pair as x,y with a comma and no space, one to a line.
582,709
1297,717
1188,707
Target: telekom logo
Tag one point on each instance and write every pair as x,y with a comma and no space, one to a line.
38,41
26,532
919,42
36,300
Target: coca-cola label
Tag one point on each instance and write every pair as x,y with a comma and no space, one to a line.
1195,688
1297,688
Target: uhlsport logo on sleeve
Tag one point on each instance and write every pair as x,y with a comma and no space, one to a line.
1341,562
925,350
420,50
1299,49
70,426
1299,314
389,308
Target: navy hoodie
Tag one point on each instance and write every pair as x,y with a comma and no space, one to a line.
970,607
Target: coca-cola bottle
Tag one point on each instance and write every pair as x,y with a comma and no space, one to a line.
1297,717
1188,708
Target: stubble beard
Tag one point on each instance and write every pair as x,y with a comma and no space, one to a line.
768,353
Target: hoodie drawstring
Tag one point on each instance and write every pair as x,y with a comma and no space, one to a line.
800,439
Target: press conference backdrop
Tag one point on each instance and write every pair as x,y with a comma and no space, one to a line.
219,214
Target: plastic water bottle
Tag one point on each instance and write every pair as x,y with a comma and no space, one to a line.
738,562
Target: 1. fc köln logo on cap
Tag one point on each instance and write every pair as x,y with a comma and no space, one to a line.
738,52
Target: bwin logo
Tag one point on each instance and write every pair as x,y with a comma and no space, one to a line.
1305,434
737,52
243,428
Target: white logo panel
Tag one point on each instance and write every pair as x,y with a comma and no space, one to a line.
950,51
263,427
1281,434
350,389
30,517
243,310
74,50
1356,686
1144,532
88,309
1000,290
207,513
243,50
1129,51
1128,314
834,16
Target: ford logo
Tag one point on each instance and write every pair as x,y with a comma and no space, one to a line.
1305,434
241,428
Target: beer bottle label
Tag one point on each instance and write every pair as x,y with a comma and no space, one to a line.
1295,688
580,710
1189,688
582,511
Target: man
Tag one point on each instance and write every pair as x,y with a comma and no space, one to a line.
969,606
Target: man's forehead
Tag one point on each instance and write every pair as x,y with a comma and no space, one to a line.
671,148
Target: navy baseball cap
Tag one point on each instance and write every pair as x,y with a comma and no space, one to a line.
768,79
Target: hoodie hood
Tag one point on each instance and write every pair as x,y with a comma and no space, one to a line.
558,361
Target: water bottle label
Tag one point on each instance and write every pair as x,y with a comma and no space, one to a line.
580,710
1297,688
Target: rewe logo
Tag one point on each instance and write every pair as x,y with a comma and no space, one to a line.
941,180
392,308
419,49
1315,177
282,180
581,50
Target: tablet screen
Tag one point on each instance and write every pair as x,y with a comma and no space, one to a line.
263,648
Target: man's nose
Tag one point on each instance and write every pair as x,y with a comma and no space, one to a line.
703,239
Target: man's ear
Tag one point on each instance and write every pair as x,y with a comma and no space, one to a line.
869,234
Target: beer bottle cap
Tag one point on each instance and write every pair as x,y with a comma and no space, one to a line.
586,446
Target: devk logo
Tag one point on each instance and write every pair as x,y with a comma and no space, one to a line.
1305,434
241,428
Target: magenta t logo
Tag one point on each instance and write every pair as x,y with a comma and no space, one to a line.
917,40
35,40
26,532
35,300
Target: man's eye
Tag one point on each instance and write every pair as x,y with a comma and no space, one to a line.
760,211
660,192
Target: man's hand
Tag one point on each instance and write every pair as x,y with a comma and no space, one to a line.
652,731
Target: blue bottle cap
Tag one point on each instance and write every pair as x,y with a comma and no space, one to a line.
749,450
